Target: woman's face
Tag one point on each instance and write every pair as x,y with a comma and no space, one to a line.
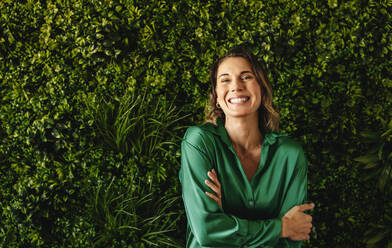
237,89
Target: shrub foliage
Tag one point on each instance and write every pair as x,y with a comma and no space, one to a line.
96,93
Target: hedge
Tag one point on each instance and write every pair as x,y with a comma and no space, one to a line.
96,95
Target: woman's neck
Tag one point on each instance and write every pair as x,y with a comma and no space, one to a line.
244,132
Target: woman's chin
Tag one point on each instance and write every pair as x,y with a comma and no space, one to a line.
240,114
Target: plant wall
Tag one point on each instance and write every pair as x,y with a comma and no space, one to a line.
96,95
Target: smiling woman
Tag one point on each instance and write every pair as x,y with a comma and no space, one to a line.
243,183
238,92
250,70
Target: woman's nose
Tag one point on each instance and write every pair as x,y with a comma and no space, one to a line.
236,85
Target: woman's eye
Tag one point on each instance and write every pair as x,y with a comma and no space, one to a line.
225,80
246,77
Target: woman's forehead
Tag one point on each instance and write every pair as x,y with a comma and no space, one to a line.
234,65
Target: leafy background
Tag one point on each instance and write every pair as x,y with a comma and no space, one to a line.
96,95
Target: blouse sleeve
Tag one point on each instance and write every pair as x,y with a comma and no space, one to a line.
296,192
209,224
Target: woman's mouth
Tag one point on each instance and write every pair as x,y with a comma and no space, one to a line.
241,99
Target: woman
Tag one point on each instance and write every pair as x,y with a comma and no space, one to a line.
257,185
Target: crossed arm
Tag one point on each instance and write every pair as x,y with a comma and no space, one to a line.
296,225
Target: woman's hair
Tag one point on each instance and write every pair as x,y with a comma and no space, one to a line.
268,116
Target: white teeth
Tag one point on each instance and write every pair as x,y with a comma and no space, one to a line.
238,100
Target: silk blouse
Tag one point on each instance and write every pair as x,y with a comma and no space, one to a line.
251,211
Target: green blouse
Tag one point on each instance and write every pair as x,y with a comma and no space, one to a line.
251,210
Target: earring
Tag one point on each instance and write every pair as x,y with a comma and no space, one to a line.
218,106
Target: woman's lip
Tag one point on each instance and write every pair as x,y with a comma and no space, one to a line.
237,97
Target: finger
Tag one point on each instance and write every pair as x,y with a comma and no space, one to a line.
213,171
305,229
305,217
305,207
212,186
305,237
298,238
214,197
301,237
214,178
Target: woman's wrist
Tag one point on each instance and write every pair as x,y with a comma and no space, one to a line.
283,233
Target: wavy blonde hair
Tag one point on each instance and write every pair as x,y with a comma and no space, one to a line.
268,116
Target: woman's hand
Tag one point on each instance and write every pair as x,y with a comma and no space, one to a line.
215,186
296,225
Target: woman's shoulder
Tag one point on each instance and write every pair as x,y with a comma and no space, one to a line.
289,149
203,137
285,142
202,129
201,134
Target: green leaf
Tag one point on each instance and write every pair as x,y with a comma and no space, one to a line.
370,135
367,159
370,165
376,238
386,133
389,243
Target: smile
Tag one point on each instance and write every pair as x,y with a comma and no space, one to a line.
239,99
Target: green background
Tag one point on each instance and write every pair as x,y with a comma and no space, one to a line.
96,95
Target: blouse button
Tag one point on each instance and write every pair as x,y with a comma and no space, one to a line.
251,203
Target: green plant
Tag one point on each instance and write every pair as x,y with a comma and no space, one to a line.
131,216
144,131
379,234
133,124
378,163
378,159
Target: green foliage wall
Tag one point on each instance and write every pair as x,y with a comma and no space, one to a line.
66,67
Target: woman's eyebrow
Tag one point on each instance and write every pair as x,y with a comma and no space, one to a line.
243,72
223,74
